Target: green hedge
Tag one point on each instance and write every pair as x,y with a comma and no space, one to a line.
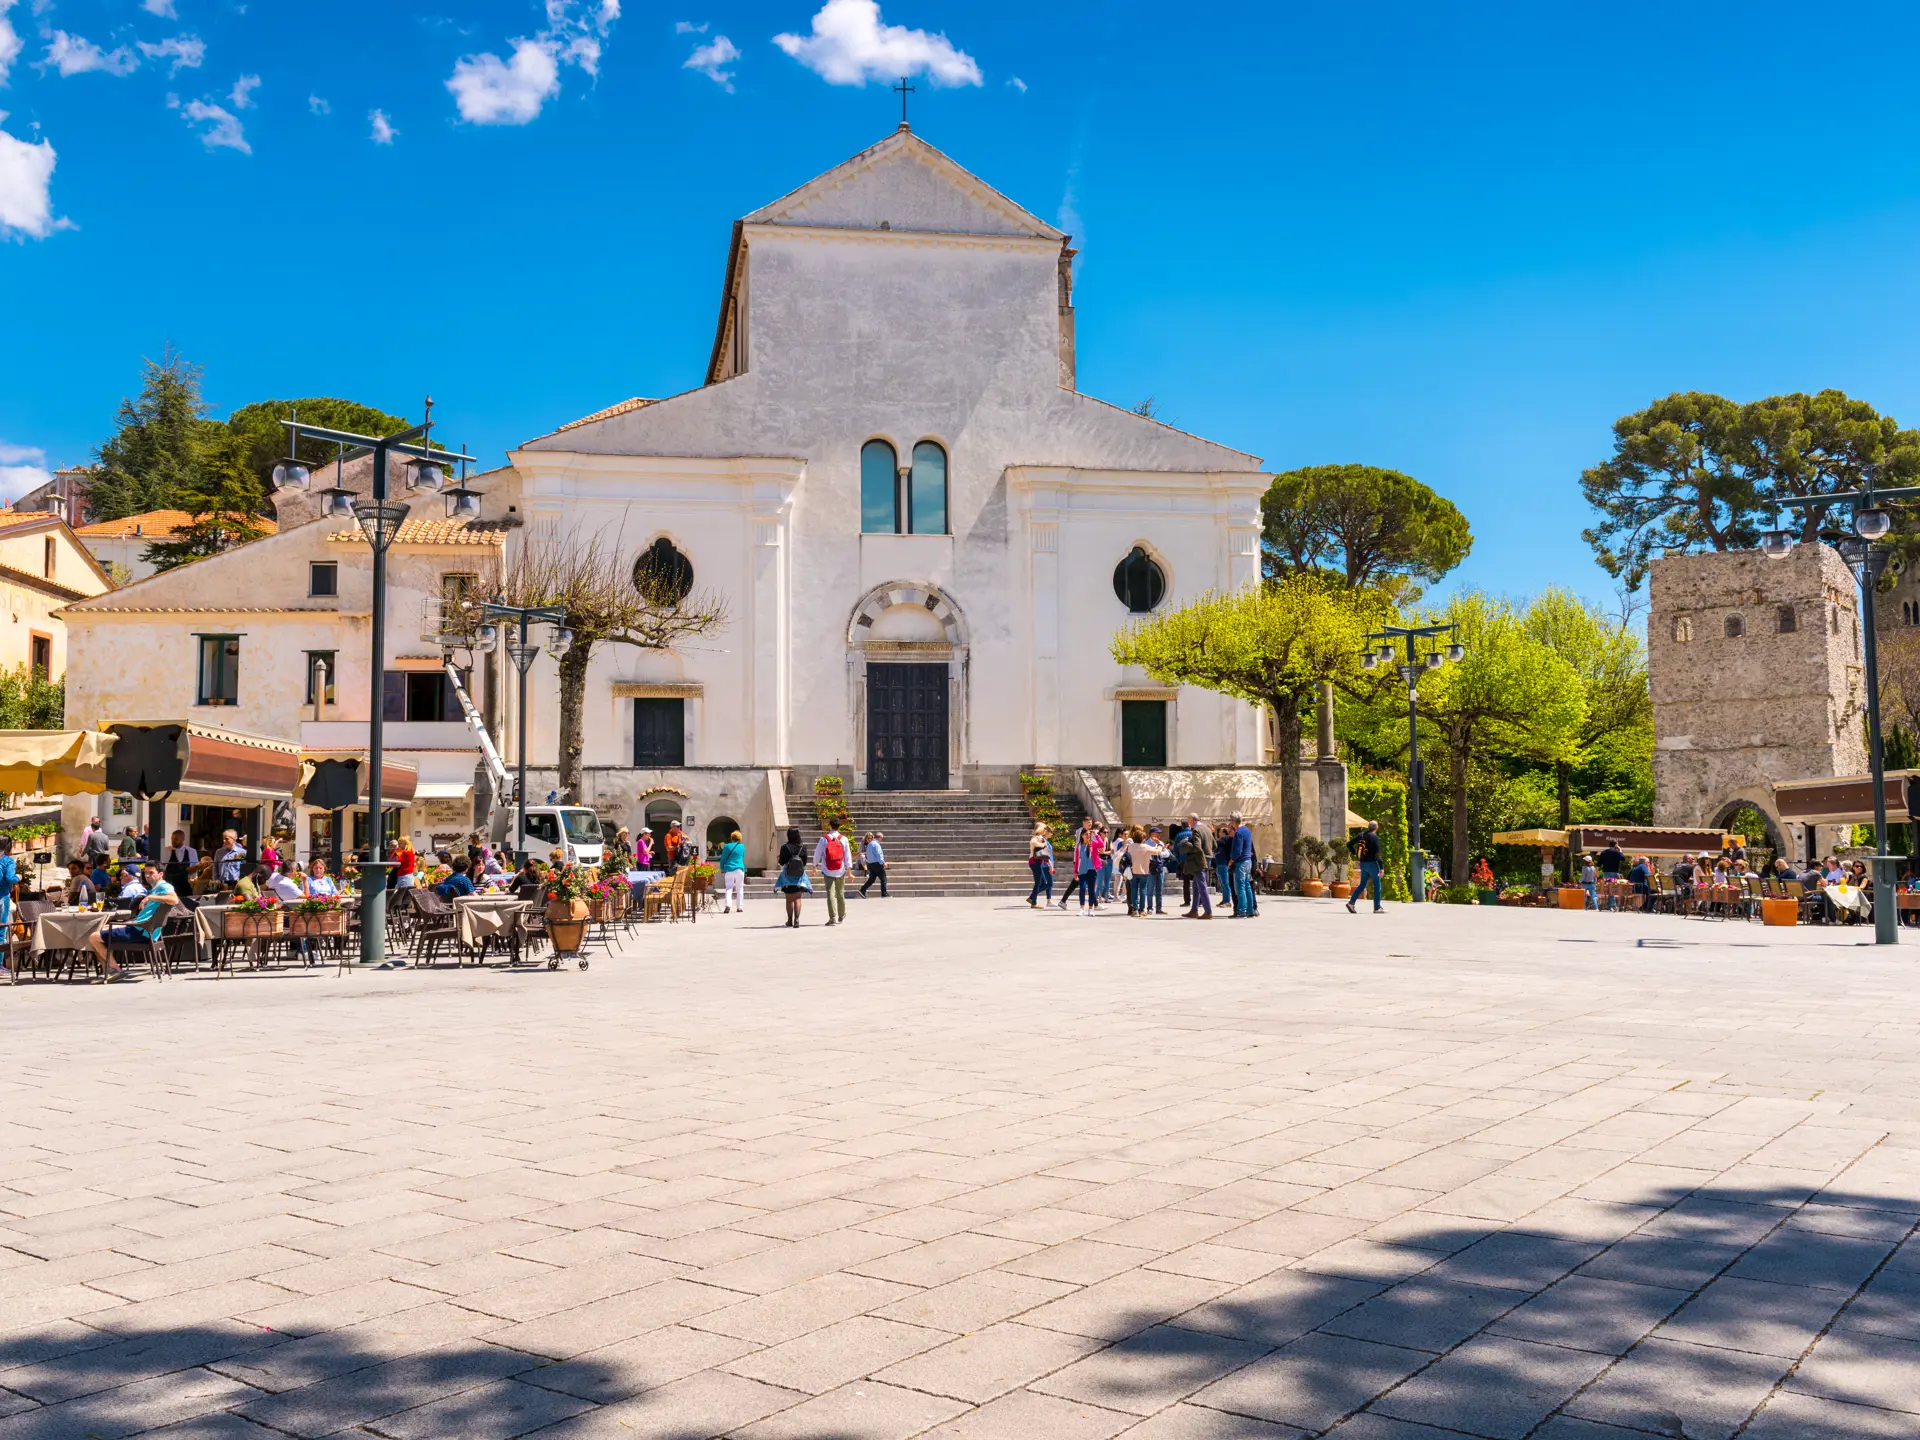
1383,797
830,804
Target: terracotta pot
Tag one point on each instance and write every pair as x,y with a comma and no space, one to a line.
597,907
245,925
1779,912
1314,889
567,924
1572,897
329,922
1342,889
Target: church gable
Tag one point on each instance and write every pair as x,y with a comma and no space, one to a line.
904,183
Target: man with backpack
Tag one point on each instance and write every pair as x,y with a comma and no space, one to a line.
833,857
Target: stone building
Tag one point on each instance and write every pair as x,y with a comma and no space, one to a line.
1756,677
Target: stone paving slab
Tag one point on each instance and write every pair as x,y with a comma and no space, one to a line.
969,1171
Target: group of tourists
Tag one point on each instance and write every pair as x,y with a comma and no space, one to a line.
1140,857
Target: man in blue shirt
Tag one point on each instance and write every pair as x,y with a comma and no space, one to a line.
1242,869
875,858
154,910
456,883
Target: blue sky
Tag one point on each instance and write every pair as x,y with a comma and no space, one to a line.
1454,240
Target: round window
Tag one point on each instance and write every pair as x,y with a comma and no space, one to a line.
662,574
1139,581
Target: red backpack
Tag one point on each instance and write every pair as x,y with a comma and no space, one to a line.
836,853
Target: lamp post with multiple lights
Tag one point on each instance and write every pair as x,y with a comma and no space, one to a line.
380,522
1410,669
523,652
1867,561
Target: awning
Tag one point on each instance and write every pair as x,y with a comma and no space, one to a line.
442,790
337,780
1542,838
1651,839
1356,822
54,762
174,758
1149,797
1840,799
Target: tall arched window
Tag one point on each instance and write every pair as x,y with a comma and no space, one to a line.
662,574
927,496
879,489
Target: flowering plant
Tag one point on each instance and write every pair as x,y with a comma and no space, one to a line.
564,882
702,872
258,905
315,905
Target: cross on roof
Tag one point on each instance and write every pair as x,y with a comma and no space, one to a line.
904,90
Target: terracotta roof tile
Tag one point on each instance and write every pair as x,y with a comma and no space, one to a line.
153,525
622,408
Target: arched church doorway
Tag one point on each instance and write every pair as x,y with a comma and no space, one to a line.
907,657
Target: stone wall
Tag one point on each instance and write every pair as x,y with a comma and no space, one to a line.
1756,678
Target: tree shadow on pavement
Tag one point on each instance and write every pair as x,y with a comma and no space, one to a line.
1706,1314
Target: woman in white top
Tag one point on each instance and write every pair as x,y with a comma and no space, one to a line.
320,885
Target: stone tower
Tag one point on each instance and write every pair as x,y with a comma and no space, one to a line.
1756,677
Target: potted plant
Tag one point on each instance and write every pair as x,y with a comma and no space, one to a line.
1516,895
1314,853
565,892
321,915
1339,854
250,919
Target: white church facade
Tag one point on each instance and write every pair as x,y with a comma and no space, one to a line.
925,535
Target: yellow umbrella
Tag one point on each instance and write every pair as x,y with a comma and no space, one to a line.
54,762
1543,838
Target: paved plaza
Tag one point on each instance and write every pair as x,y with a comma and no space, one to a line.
963,1170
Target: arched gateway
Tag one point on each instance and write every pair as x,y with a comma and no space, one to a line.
907,683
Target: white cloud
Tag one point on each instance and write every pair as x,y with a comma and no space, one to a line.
318,106
383,131
22,468
185,51
242,93
223,132
73,55
1017,83
10,41
849,46
492,91
687,27
163,8
710,60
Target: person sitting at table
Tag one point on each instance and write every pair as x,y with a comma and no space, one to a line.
456,884
492,866
100,875
80,887
131,886
1640,876
320,885
286,885
253,884
527,880
156,906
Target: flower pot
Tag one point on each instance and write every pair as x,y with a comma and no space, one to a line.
1489,897
1572,897
326,922
597,908
249,925
567,924
1313,889
1779,912
1341,889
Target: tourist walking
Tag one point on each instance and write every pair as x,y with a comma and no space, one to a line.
1157,871
1366,850
792,882
733,874
874,856
833,857
97,846
1223,862
1040,862
1082,842
1086,868
1590,882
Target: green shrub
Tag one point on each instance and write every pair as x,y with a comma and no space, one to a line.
1044,808
830,803
1382,796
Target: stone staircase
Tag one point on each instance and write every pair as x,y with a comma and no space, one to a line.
938,842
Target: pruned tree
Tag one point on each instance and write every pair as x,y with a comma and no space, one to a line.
1270,644
607,599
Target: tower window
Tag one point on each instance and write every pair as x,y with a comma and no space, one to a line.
927,490
1736,626
879,489
1789,620
1682,630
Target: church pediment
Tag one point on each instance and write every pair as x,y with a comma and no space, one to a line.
903,183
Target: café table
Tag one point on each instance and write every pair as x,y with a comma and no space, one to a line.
484,922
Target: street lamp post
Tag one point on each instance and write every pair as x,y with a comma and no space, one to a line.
523,652
1867,561
379,521
1409,671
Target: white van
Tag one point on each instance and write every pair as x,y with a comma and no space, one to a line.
571,828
